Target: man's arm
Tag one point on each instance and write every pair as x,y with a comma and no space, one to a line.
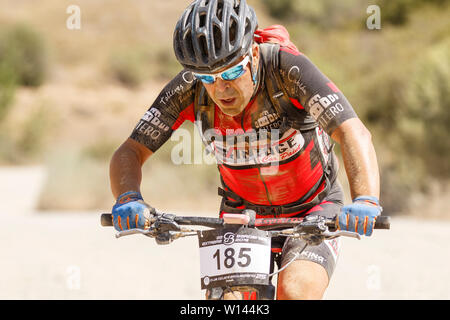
324,101
172,106
170,109
125,168
359,157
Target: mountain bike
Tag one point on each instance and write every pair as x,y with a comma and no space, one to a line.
235,251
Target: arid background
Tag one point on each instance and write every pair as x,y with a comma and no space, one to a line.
70,96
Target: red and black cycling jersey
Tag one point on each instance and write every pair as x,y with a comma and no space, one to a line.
264,156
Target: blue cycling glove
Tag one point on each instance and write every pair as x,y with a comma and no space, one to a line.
360,216
130,211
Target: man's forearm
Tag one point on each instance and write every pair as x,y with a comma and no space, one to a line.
360,159
125,171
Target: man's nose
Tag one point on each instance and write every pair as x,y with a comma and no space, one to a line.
221,85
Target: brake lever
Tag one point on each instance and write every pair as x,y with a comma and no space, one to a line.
341,233
130,232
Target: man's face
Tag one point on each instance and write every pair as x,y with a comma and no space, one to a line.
233,96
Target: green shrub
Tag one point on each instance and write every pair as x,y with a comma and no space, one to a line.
35,130
281,9
426,119
7,88
24,52
165,64
101,149
397,12
320,13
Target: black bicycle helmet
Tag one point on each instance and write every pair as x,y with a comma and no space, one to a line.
212,34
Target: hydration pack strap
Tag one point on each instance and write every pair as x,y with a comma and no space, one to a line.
277,92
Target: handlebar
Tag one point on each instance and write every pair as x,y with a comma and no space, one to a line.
313,229
381,222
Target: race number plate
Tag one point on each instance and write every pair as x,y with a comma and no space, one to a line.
235,255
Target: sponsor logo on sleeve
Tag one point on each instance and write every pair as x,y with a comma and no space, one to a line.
325,108
151,125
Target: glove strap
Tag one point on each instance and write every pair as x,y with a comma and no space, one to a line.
370,199
128,197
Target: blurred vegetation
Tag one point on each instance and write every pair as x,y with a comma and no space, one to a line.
128,67
101,149
27,141
397,12
23,62
35,130
320,14
25,53
133,66
7,88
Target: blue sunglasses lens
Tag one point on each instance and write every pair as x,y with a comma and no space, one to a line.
233,73
205,78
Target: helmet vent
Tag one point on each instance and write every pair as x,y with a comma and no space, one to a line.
188,19
217,39
188,40
203,47
233,31
202,20
178,50
236,7
219,11
247,26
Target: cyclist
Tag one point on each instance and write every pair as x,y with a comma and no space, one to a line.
266,112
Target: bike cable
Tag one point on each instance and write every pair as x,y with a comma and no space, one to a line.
292,260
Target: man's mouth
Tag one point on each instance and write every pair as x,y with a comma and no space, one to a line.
228,102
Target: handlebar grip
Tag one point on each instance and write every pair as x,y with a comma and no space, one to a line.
383,222
106,220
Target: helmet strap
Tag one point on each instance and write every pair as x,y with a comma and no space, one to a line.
253,70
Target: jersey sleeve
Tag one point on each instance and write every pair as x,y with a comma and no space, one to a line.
172,107
311,90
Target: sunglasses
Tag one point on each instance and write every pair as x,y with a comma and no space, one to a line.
230,74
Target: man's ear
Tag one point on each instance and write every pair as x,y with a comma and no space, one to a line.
255,62
255,54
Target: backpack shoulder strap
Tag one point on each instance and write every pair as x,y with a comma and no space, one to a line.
269,53
277,92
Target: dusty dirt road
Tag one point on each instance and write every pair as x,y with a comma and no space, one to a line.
69,256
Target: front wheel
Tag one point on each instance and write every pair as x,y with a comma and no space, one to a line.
255,292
